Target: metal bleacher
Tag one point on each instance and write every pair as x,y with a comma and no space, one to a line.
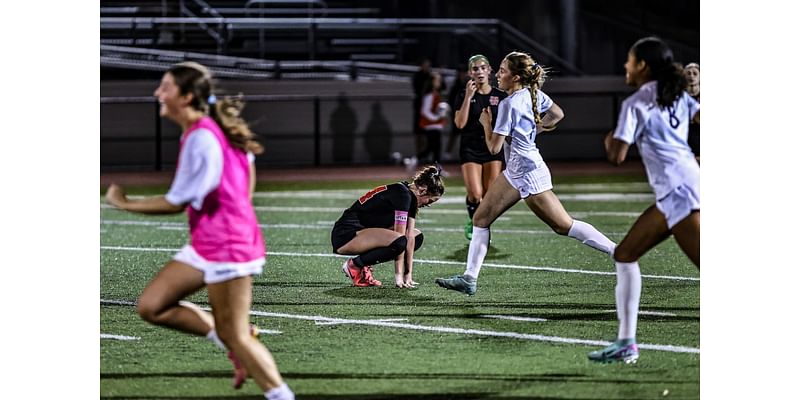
267,39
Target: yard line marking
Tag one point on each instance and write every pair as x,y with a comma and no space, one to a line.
514,318
477,332
118,337
132,303
655,313
452,198
265,331
339,210
341,322
493,265
174,226
578,214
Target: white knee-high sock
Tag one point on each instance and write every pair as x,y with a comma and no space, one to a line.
478,247
281,392
212,336
628,292
590,236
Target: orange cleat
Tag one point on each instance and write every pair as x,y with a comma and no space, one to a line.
368,279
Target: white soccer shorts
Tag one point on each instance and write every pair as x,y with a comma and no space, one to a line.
218,271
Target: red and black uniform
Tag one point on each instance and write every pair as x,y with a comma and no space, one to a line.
473,142
375,209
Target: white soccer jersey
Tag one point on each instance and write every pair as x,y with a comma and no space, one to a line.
515,121
660,134
199,169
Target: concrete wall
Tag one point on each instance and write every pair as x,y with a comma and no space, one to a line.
359,122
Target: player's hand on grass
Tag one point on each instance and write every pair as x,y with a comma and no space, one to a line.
404,281
409,282
115,195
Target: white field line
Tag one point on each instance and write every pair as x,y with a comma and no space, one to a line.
640,193
131,303
118,337
350,322
513,318
176,226
655,313
444,329
338,211
266,331
492,265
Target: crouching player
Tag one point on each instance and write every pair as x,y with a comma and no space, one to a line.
380,226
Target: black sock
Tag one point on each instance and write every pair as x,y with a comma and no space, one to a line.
382,254
471,207
418,241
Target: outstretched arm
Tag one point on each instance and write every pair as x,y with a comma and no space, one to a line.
116,196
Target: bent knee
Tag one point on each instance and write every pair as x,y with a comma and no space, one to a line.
149,311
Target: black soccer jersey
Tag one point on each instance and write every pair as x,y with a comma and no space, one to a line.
375,209
473,143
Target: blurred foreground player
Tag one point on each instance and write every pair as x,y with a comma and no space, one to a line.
213,183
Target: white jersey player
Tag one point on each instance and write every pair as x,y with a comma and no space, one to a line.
524,113
657,119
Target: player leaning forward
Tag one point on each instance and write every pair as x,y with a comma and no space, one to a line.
213,183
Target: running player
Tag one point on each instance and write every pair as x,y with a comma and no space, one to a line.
213,183
656,117
524,113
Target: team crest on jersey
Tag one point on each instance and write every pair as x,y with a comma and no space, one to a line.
494,100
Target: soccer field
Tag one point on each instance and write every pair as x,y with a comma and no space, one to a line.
543,302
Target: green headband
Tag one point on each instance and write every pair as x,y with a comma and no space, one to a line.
477,57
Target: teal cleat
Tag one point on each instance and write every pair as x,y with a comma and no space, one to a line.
468,229
623,350
458,283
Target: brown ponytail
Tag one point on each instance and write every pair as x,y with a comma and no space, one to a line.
196,79
531,76
227,113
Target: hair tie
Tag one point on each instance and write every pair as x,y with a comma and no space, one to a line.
212,99
534,66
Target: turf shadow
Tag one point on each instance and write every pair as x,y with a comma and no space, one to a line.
460,255
370,293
